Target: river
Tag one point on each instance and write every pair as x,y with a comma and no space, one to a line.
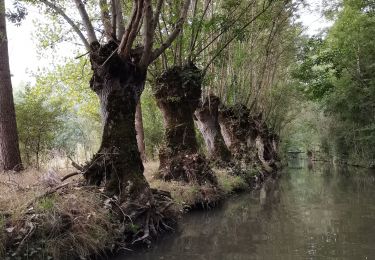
320,213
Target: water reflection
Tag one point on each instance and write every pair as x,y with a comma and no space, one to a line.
322,213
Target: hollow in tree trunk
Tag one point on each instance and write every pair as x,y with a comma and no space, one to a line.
177,92
206,116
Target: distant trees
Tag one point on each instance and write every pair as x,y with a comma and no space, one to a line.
39,121
9,151
337,73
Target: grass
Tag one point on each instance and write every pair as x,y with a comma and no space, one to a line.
74,221
69,222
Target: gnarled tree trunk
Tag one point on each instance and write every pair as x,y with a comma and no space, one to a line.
118,84
10,158
263,154
206,116
178,92
239,131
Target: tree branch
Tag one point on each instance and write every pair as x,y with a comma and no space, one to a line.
69,21
226,27
265,8
114,18
86,21
104,11
126,35
155,19
148,35
178,27
119,19
195,35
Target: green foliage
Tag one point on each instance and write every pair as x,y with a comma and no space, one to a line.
316,69
46,204
152,123
338,73
58,113
39,120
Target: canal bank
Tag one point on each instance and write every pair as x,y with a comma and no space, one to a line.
322,213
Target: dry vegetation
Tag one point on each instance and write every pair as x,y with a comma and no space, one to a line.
44,217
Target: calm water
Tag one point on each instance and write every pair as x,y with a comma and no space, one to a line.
324,213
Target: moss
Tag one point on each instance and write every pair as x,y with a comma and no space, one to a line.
133,228
230,183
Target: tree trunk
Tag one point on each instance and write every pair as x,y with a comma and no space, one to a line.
10,158
208,123
118,165
262,155
140,131
239,131
118,85
178,91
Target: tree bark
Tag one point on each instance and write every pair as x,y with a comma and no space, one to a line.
140,131
10,158
239,131
248,138
178,91
206,116
118,84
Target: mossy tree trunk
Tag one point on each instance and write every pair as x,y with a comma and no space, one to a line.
206,116
178,91
239,131
118,164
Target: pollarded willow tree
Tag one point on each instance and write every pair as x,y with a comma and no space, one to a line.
211,28
119,59
249,72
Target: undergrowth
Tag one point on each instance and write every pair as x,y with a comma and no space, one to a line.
76,221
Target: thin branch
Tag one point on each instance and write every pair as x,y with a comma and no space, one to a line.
68,20
235,36
86,21
164,55
195,36
155,19
178,27
226,27
82,55
70,175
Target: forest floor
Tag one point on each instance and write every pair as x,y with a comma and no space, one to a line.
41,216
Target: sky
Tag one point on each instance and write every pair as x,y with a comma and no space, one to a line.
24,59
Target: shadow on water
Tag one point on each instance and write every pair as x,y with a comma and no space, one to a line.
325,212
